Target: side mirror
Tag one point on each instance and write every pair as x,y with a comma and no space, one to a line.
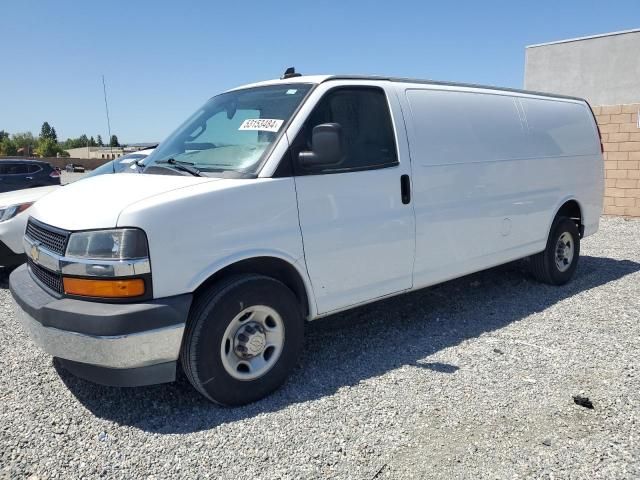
326,145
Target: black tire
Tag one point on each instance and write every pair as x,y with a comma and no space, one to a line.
209,318
543,264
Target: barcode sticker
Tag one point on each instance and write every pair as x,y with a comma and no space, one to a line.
265,124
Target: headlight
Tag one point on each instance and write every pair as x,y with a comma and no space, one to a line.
116,244
107,264
11,211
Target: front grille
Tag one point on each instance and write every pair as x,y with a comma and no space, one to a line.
50,279
55,241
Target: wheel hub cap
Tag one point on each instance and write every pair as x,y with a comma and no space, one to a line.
250,340
564,252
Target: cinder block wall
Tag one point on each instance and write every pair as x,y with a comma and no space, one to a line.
621,140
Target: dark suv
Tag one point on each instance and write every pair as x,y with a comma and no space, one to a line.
16,173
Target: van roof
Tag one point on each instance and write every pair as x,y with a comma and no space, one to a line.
317,79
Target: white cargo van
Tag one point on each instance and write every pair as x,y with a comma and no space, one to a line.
292,199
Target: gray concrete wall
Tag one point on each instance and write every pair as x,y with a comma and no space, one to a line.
605,70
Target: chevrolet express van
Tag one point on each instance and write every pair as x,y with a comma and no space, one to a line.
293,199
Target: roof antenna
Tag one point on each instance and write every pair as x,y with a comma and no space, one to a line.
290,73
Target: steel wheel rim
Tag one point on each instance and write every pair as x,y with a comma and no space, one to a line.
252,342
565,249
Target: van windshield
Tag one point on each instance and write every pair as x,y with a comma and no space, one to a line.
232,132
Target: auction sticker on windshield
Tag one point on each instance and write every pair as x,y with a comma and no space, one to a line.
265,124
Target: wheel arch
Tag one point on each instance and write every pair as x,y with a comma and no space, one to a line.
281,269
569,207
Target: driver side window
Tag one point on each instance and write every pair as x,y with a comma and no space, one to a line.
368,136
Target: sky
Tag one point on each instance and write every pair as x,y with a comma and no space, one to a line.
163,59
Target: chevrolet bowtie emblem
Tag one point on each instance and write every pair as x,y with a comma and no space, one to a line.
35,252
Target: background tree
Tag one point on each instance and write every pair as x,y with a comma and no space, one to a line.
47,148
24,140
92,142
83,140
114,141
48,132
73,143
7,146
100,144
3,135
45,131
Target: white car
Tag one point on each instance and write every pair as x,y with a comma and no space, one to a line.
293,199
14,206
13,220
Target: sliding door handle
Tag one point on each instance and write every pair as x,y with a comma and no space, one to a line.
405,189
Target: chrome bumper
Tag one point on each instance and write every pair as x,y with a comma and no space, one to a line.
119,351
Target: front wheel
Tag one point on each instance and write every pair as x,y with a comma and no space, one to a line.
242,339
557,263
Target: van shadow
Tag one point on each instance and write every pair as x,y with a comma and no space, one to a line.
363,343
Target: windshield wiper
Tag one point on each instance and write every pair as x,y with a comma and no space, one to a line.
219,165
183,166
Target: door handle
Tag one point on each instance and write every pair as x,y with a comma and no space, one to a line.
405,189
29,178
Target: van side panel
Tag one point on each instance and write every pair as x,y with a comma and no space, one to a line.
568,129
487,182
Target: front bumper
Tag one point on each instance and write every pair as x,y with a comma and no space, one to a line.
108,343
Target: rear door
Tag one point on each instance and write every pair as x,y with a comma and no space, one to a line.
36,176
13,176
357,229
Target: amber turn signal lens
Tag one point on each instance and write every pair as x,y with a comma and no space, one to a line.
104,288
23,207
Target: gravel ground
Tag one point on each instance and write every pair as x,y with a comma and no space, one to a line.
470,379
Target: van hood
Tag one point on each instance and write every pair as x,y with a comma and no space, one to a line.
96,202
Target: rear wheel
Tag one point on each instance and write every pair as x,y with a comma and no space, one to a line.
242,339
557,263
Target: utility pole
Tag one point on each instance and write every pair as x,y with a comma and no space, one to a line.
106,107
